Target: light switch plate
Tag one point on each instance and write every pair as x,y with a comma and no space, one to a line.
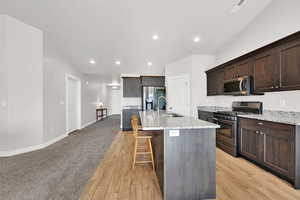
174,133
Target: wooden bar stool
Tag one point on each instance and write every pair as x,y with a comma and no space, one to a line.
142,146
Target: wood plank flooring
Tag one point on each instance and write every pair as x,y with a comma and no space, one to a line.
237,179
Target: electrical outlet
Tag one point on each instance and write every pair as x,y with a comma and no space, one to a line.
174,133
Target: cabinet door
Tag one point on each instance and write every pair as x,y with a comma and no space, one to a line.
131,87
290,65
249,142
230,72
215,82
244,68
279,153
265,71
219,81
211,82
156,81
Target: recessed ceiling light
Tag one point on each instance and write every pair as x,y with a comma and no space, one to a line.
196,39
118,62
155,37
149,63
92,62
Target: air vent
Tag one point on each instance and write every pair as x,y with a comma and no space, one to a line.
237,6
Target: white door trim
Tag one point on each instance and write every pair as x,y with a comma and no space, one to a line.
69,76
185,77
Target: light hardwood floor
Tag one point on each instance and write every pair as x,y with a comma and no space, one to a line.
237,179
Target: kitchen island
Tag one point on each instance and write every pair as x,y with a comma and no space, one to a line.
184,154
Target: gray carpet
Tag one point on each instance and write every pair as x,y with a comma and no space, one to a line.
60,171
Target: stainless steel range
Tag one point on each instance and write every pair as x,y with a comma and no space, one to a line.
227,133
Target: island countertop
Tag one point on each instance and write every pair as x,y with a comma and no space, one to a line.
151,120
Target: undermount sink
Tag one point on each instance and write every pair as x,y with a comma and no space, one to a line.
172,115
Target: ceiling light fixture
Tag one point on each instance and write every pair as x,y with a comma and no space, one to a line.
118,62
92,62
149,64
196,39
155,37
237,6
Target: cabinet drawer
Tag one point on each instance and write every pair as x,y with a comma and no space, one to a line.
267,126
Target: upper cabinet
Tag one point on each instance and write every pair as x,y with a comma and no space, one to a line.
289,58
230,72
239,69
215,81
244,68
155,81
275,67
265,71
132,87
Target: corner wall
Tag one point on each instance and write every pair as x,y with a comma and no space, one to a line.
194,66
22,99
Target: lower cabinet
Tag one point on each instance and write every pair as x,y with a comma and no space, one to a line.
126,118
271,145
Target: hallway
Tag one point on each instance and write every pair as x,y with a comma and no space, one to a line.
61,170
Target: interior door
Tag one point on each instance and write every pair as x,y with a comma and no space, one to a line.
115,103
73,105
178,95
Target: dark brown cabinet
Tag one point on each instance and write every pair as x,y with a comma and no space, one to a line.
265,71
279,148
275,67
269,144
155,81
215,81
249,140
230,72
289,57
244,68
131,87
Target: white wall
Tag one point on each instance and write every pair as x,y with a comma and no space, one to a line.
280,19
194,66
33,89
22,54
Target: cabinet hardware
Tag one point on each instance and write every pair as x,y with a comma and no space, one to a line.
260,123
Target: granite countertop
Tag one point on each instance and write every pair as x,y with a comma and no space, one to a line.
292,118
213,108
285,117
152,121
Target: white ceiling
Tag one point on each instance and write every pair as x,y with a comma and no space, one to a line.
109,30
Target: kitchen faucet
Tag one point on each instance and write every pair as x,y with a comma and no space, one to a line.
161,97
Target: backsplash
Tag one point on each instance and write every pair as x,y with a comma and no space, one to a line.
282,101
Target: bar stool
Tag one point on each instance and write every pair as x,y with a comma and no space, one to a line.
139,149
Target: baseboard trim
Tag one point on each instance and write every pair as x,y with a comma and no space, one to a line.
88,124
32,148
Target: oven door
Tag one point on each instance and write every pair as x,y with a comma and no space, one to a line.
226,134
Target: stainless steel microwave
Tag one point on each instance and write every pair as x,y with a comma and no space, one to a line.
239,86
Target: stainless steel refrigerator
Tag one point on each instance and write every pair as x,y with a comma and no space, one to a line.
151,96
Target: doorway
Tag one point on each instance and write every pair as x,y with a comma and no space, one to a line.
115,102
73,103
178,94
